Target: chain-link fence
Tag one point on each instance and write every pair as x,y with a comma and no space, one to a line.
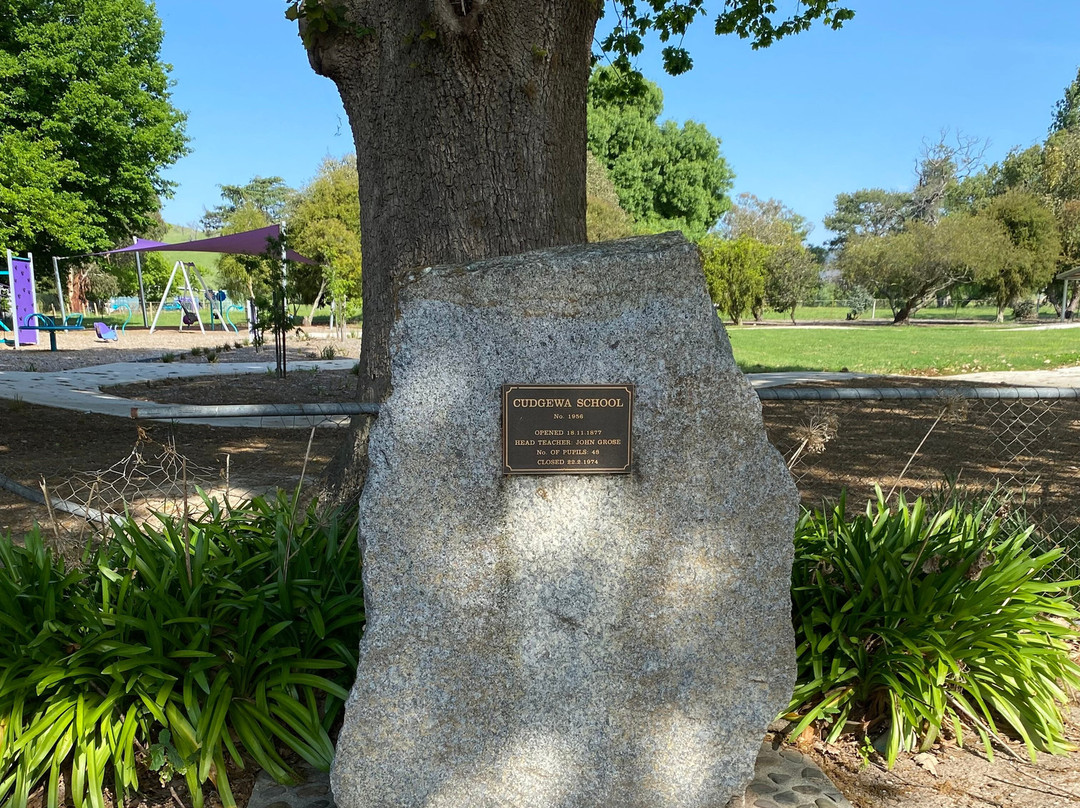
1018,446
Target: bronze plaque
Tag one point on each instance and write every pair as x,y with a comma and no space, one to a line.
567,428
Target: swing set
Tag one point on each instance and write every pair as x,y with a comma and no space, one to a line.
188,302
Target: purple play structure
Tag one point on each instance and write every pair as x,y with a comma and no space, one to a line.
22,297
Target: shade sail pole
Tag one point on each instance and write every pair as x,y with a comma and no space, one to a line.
282,312
59,289
142,288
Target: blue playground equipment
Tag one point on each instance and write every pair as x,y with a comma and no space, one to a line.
217,304
228,318
125,307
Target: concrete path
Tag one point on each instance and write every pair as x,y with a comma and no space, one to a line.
81,389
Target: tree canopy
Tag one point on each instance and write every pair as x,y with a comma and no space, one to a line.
668,177
912,267
1067,109
268,195
789,269
734,273
867,212
86,125
324,224
605,218
1027,262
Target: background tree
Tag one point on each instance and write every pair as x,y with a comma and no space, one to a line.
667,177
769,221
1021,170
270,196
1034,245
1067,109
734,273
791,272
89,283
86,126
247,277
1051,171
941,172
910,268
324,224
156,268
867,212
605,218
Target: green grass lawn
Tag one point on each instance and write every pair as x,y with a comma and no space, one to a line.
925,350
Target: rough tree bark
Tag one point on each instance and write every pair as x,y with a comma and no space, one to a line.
469,122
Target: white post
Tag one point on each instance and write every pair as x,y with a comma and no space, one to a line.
281,363
59,289
11,302
164,297
191,296
33,281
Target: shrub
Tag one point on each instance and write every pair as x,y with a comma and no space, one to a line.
905,620
329,352
225,636
859,299
1025,310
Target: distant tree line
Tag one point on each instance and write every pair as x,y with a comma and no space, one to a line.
1001,232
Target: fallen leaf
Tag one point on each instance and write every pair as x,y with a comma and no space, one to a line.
927,761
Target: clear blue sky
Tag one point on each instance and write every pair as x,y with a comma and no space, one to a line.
815,115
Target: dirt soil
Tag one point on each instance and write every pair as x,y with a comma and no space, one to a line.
832,445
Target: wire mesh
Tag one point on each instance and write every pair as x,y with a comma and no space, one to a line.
154,477
1024,453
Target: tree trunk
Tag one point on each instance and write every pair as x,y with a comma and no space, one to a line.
315,305
469,122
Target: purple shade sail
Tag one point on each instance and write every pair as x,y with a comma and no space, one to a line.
250,242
